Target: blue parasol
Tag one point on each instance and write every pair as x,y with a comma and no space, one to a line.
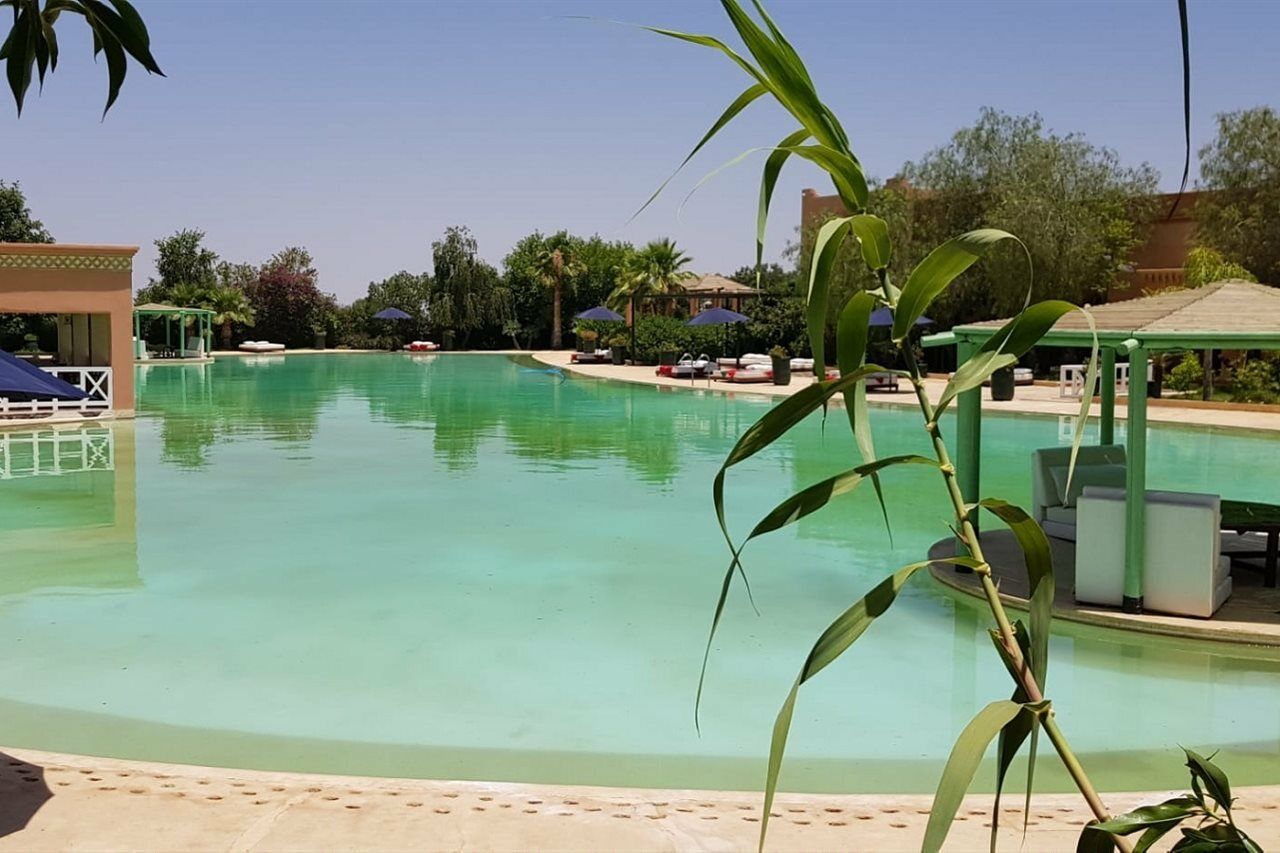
22,381
391,314
598,313
718,316
884,317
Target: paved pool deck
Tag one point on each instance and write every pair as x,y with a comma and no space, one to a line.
1028,399
50,801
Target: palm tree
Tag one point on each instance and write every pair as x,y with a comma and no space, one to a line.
655,270
557,265
229,306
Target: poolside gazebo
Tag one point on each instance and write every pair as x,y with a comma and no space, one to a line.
172,314
1237,315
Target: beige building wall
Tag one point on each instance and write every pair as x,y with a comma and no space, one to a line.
78,281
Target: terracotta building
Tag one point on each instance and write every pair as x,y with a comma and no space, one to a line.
90,289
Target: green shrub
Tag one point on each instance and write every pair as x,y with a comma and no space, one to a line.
1255,382
656,333
1188,375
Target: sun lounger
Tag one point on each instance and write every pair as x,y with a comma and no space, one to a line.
261,347
688,367
421,346
600,356
752,373
882,382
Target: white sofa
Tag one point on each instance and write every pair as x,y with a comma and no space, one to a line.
1051,505
1184,571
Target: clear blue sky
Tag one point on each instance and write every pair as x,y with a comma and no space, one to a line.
362,129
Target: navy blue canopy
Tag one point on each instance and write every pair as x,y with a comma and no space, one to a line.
22,381
718,316
884,317
391,314
598,313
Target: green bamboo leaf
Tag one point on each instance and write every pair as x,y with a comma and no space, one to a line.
961,765
873,237
1039,563
1150,836
794,508
845,172
1094,840
132,32
791,84
932,275
1015,733
1215,781
826,249
19,53
117,68
852,332
1169,812
839,636
739,104
772,168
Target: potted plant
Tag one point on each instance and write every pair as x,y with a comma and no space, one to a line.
30,342
618,349
1002,384
781,365
587,340
667,353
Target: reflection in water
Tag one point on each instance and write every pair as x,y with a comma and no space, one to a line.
447,567
70,491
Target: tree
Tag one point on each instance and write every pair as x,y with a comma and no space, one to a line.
230,306
466,294
1075,207
118,33
557,264
288,306
16,224
1240,215
1205,266
181,259
772,279
656,270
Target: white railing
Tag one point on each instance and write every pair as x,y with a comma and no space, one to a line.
52,452
1071,379
94,381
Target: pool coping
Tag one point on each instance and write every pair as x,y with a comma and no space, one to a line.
1165,412
57,801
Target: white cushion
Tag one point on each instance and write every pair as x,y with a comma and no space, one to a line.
1082,477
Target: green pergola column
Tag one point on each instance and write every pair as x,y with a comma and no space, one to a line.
1107,422
968,434
138,345
1135,499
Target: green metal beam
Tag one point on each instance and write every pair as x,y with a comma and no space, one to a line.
1135,486
1107,422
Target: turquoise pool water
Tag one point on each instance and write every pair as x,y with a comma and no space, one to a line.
450,566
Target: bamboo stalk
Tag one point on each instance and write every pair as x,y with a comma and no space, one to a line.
1026,679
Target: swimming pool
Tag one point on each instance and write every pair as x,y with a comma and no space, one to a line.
455,567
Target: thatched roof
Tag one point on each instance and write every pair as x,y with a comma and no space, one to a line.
712,283
1233,311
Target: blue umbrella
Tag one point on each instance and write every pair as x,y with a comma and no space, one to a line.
391,314
718,316
884,317
598,313
22,381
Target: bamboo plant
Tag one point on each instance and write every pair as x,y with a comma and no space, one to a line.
776,71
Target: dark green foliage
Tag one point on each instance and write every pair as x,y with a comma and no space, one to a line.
1255,381
32,46
1187,375
288,306
1208,807
182,259
466,298
1241,166
656,333
16,222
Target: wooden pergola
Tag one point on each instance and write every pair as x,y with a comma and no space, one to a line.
1236,315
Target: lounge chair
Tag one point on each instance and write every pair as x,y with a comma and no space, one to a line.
193,349
750,374
688,367
261,347
882,381
421,346
1183,571
600,356
1051,503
